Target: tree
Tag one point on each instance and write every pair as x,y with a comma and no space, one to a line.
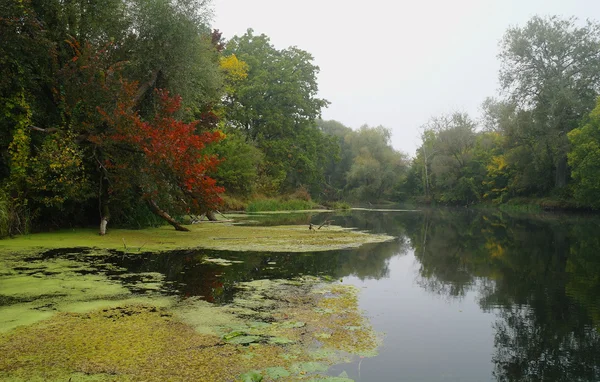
66,61
376,169
584,159
338,166
552,67
448,156
164,159
276,107
240,165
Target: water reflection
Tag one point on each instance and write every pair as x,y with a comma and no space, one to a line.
537,278
541,276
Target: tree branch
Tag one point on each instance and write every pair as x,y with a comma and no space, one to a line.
49,130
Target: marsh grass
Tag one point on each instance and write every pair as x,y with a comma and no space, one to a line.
271,204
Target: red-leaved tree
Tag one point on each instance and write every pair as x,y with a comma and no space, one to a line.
160,160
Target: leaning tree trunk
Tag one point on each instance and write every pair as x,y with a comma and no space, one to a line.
211,216
156,210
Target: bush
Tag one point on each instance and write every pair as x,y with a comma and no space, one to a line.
15,217
279,205
231,203
300,194
338,205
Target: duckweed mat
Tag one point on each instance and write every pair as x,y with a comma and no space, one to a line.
224,236
272,330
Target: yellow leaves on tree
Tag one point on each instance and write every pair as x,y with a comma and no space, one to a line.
235,71
19,147
57,171
496,177
234,68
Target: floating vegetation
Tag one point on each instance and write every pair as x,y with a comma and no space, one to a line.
223,262
32,290
226,236
271,331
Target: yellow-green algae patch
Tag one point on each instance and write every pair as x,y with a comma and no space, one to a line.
225,236
277,337
35,290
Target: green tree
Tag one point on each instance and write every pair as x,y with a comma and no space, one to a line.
241,164
277,106
551,66
377,168
584,159
448,154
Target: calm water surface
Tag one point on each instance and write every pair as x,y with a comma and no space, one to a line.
460,295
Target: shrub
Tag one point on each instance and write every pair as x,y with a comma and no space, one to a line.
279,205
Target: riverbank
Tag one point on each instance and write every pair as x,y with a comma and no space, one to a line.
220,236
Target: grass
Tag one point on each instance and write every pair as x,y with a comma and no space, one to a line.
232,203
343,206
272,204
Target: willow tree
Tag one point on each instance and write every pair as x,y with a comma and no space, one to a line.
551,67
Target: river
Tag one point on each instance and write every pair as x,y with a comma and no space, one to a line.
459,295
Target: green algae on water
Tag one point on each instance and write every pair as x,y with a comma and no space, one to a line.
224,236
194,340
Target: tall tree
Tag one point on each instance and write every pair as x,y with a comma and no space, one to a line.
551,66
276,107
584,159
73,65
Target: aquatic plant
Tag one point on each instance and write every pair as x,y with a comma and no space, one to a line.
271,331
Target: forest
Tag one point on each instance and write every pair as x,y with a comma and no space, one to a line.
133,112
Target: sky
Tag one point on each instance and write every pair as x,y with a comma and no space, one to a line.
396,63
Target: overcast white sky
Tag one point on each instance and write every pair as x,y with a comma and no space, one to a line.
395,63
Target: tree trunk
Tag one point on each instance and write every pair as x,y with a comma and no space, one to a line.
104,210
103,224
561,172
211,216
156,210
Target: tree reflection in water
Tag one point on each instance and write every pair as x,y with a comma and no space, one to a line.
541,276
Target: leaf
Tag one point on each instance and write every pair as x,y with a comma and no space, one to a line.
251,376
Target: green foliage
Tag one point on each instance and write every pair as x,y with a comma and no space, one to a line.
452,158
341,206
232,203
241,162
584,159
4,215
275,107
58,173
369,169
279,205
551,68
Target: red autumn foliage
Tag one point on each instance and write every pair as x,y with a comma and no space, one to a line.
167,151
161,158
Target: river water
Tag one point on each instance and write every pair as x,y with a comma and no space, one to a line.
460,295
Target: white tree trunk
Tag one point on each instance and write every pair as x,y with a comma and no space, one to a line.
103,224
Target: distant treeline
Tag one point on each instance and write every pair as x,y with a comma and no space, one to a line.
132,110
541,139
